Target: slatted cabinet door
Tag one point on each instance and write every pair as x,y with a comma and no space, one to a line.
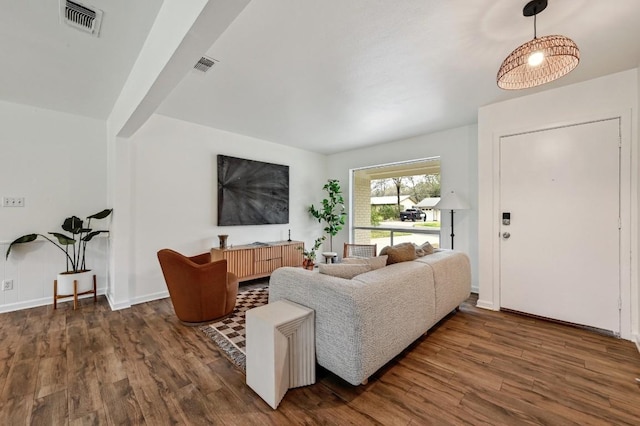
249,262
267,259
292,254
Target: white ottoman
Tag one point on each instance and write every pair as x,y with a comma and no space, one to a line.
280,349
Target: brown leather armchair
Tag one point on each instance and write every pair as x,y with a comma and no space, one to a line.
200,290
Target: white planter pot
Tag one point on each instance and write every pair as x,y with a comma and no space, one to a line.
65,282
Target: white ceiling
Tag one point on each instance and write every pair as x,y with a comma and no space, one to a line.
51,65
327,76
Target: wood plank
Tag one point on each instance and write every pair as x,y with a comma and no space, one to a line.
121,405
504,408
150,395
109,368
21,379
381,409
51,409
52,376
97,417
83,386
566,405
141,366
16,410
195,406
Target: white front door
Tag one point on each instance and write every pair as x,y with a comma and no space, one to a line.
560,252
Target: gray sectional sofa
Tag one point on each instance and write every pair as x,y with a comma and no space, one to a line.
363,322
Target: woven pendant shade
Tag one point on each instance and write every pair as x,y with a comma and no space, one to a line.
561,56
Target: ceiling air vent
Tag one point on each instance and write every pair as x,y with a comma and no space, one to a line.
204,64
81,17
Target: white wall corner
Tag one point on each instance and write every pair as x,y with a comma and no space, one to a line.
116,306
150,297
487,304
121,234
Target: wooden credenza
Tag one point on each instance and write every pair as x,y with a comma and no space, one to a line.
256,261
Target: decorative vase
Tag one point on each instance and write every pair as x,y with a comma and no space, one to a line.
66,279
308,264
223,241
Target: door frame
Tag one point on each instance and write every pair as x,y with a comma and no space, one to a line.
628,214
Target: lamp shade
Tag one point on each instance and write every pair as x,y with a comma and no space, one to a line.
540,60
451,201
558,56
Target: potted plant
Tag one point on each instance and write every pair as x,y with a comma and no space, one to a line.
74,246
332,211
309,256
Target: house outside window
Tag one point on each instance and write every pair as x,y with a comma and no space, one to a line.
376,203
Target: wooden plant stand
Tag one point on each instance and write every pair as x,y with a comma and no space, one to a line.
75,294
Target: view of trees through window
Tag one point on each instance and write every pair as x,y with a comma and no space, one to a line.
395,202
416,187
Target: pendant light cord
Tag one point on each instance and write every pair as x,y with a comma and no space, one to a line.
535,32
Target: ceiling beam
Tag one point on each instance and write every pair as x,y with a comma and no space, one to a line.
182,33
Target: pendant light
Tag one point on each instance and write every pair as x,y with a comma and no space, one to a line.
540,60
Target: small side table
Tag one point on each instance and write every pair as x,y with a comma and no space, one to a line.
280,349
330,256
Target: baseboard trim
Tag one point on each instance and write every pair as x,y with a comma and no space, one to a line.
150,297
136,300
43,301
485,304
637,341
34,303
117,306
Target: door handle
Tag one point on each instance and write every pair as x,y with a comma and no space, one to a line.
506,235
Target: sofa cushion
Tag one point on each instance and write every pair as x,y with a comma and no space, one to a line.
343,270
400,253
376,262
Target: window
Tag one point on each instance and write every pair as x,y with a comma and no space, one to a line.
380,193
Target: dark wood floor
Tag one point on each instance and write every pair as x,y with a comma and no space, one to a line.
141,366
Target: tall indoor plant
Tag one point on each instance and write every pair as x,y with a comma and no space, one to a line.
332,211
74,246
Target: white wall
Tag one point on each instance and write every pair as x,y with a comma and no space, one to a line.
56,161
457,151
613,95
174,195
636,200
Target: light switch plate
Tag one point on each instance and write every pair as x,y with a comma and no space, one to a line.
12,201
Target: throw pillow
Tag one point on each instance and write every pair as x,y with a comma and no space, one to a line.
401,253
423,249
343,270
427,248
375,262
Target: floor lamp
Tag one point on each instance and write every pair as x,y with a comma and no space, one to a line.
451,201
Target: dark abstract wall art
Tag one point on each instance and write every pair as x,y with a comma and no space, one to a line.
252,192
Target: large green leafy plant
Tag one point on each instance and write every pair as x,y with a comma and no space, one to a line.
332,211
74,245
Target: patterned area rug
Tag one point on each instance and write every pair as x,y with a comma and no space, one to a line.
229,333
